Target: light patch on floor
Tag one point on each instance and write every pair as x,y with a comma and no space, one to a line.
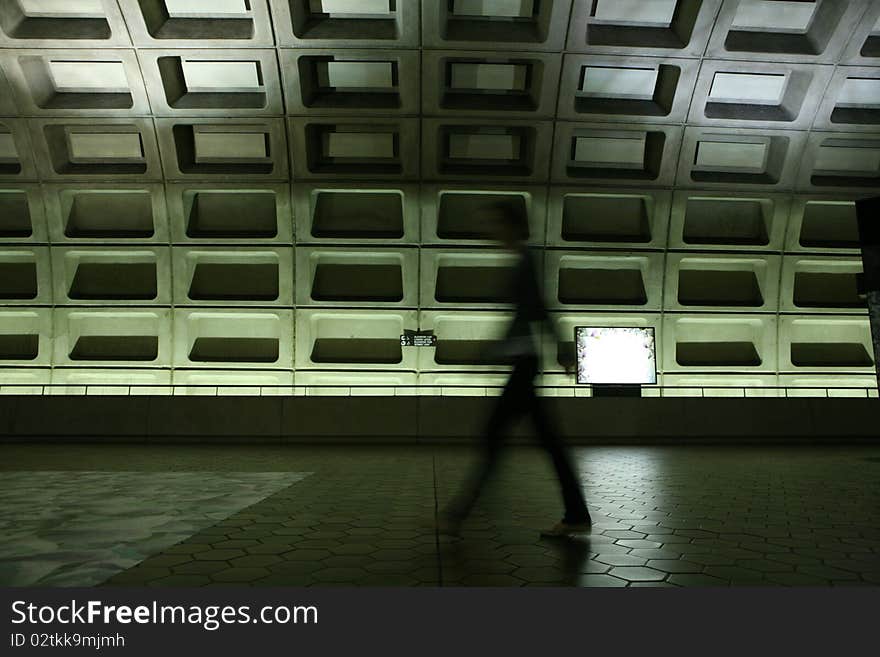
79,528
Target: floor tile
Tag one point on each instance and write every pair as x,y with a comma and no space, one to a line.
637,573
696,516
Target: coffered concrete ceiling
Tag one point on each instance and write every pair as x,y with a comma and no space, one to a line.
244,190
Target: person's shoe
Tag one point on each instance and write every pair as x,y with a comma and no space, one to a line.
562,528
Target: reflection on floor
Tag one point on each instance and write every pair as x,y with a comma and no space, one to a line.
79,528
664,516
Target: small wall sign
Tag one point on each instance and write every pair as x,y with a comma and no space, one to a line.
418,339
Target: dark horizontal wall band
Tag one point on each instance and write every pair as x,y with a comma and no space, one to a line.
410,419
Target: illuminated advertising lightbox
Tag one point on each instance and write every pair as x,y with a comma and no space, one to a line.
615,355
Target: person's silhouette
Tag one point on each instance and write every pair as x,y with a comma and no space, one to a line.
522,346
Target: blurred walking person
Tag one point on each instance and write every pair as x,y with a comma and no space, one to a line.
522,346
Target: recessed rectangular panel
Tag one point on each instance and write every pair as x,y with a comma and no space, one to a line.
830,224
747,88
234,281
473,284
220,76
15,215
381,351
722,288
484,147
829,354
358,214
186,8
717,354
500,77
470,352
457,210
79,77
362,7
19,346
358,75
859,92
8,150
105,146
728,155
609,82
18,280
232,214
622,285
359,145
847,158
230,145
734,221
116,347
774,15
234,350
826,290
62,8
605,218
109,213
358,282
625,152
487,8
114,281
654,13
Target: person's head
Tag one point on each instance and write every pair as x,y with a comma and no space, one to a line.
506,224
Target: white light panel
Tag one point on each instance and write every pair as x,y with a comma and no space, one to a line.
360,145
105,146
609,82
61,8
731,155
611,355
774,15
756,89
655,13
362,7
484,147
185,8
500,8
624,152
358,75
212,145
201,76
857,92
495,77
853,158
73,77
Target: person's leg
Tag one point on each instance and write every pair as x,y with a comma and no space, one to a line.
576,512
507,408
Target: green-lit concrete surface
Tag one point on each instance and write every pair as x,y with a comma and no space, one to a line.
271,193
669,516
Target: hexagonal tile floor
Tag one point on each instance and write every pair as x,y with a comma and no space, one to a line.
79,528
663,516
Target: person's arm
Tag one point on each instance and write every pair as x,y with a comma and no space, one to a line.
566,354
566,349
